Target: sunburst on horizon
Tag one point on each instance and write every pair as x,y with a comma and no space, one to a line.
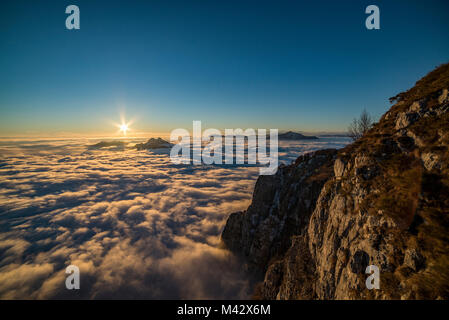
123,128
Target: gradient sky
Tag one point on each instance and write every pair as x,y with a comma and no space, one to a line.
303,65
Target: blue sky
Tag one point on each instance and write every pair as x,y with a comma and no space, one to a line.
309,66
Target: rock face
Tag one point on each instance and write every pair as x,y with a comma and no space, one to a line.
314,227
281,205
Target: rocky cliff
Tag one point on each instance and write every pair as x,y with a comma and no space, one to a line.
313,228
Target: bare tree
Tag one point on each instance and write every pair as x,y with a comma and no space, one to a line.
359,126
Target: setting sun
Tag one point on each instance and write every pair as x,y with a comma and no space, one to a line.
124,127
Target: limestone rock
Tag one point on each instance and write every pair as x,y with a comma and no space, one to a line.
413,259
312,228
431,161
281,206
444,97
339,168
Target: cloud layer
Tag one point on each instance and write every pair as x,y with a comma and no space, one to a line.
135,224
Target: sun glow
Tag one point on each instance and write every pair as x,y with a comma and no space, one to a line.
123,128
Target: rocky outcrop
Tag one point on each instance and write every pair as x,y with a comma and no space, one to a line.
314,227
281,205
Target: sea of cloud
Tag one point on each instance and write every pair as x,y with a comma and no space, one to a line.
136,225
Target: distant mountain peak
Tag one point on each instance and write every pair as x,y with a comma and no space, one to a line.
154,143
290,135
